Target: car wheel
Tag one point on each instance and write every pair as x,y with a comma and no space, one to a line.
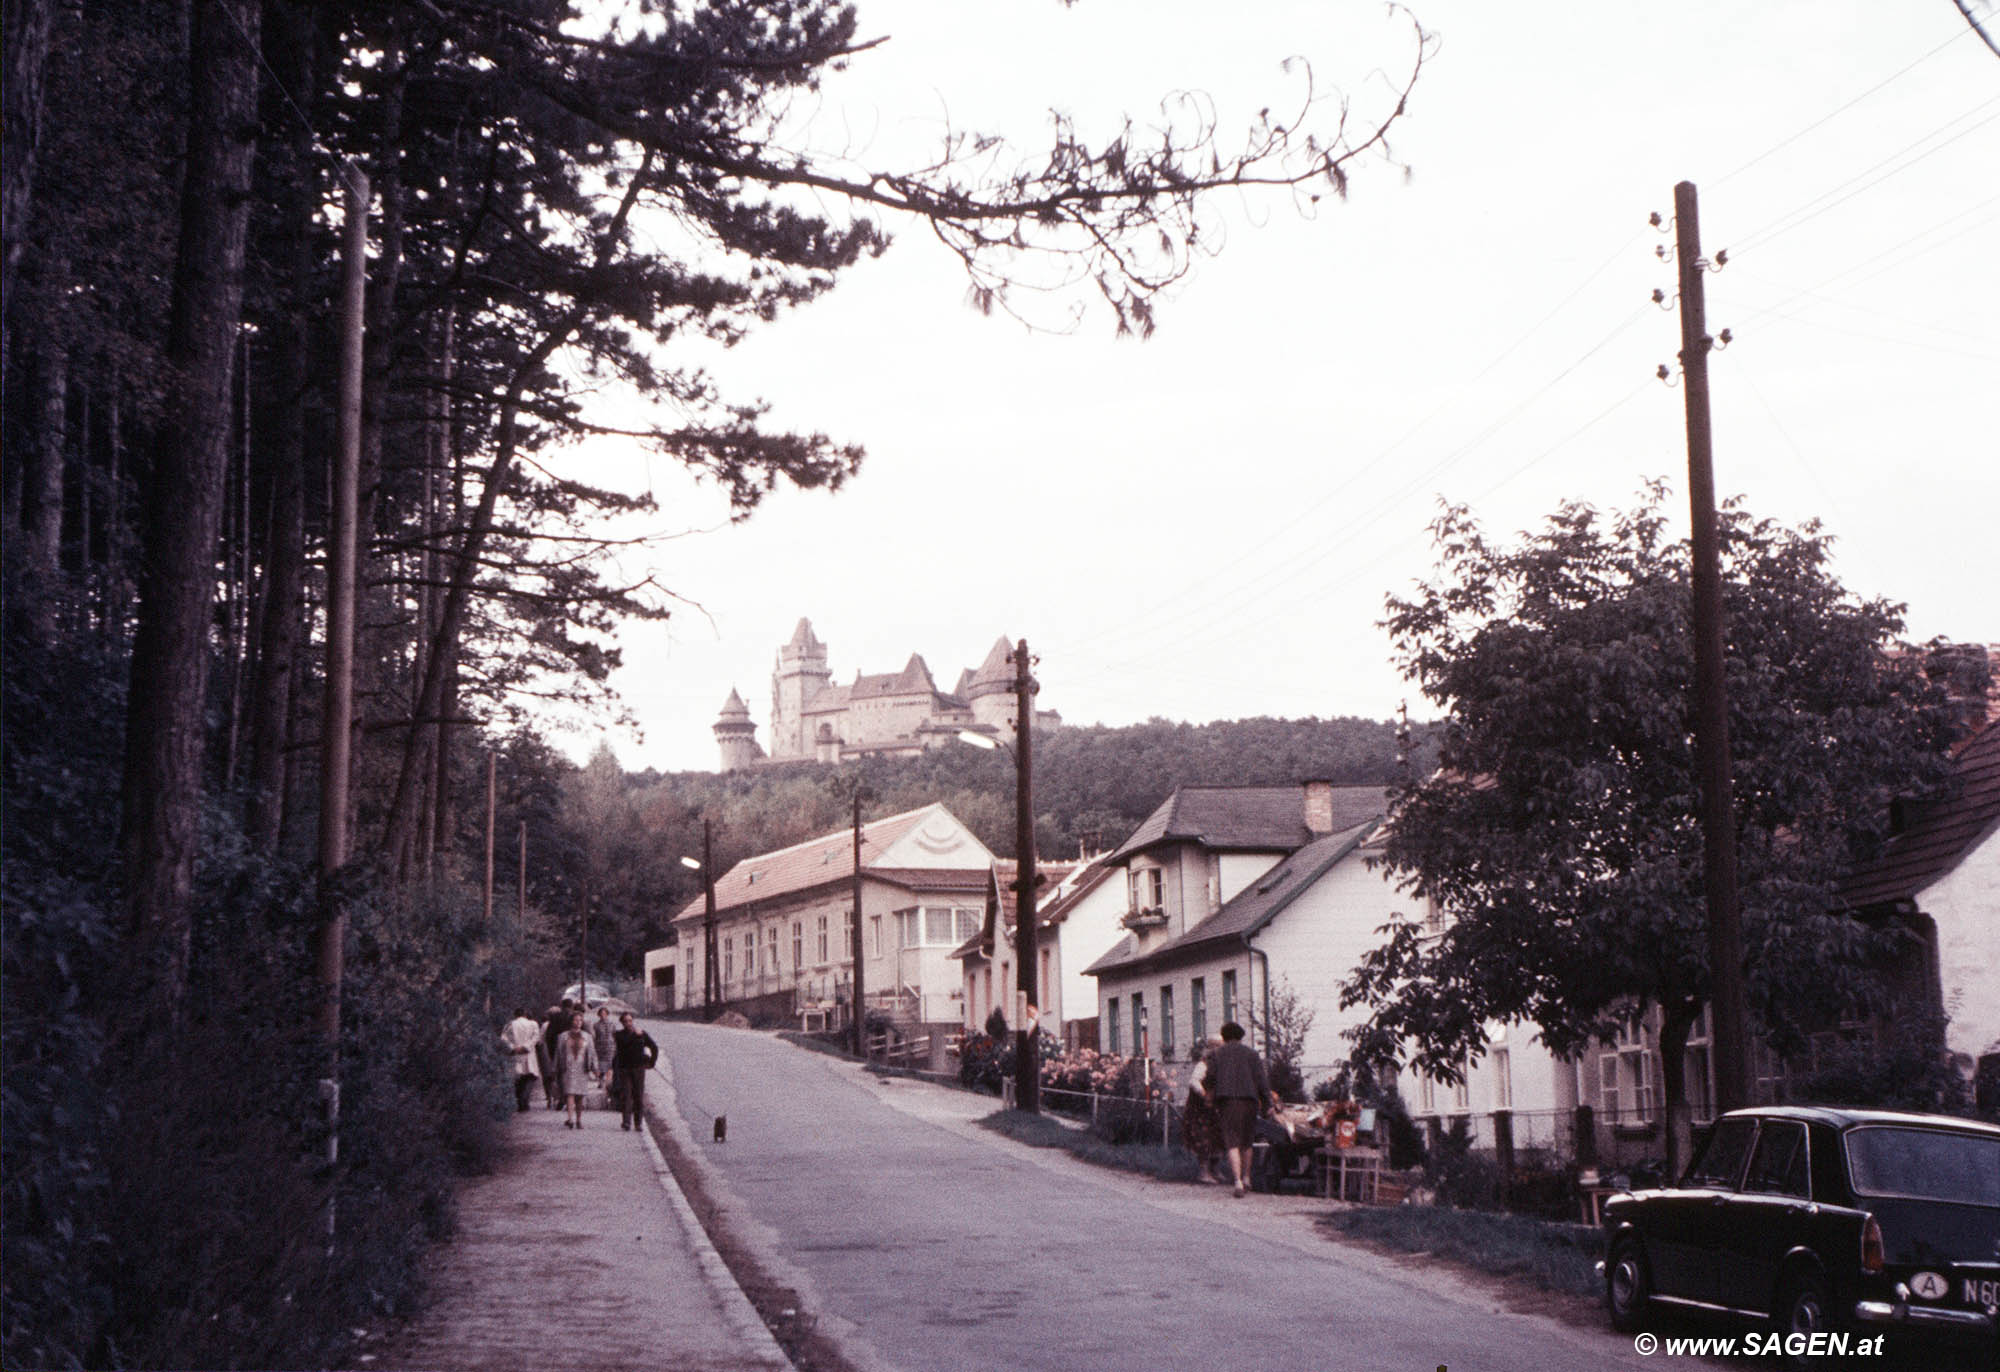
1803,1308
1628,1286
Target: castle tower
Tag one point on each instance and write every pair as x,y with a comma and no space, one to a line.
991,690
800,674
736,735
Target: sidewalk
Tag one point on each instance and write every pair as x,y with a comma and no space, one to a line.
580,1253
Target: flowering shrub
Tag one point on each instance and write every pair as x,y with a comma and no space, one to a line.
979,1063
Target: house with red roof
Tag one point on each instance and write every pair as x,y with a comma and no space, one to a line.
782,939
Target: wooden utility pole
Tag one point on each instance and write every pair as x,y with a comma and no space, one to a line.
521,885
1027,1064
1711,700
338,722
491,797
854,934
711,983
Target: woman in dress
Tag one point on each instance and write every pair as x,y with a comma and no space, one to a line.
1201,1127
576,1061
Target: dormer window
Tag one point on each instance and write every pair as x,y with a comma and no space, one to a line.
1148,890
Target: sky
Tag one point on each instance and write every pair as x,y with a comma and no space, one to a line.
1205,524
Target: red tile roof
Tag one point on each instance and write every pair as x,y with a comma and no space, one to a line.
1941,834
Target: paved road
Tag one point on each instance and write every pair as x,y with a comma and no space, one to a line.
924,1242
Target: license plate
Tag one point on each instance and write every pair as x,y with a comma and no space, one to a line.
1984,1293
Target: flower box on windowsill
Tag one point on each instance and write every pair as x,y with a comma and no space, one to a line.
1150,918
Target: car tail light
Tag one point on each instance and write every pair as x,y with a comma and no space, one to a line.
1872,1259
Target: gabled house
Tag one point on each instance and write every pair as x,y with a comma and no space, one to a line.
783,933
1940,875
1207,877
1078,909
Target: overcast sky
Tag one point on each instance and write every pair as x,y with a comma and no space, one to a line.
1205,525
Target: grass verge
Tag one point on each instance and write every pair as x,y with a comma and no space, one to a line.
1040,1131
1555,1257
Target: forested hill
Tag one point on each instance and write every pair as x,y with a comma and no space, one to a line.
1093,784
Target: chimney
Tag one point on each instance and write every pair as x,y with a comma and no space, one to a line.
1319,807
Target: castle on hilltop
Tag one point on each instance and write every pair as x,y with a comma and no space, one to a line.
893,714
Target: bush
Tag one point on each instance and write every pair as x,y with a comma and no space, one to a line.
979,1063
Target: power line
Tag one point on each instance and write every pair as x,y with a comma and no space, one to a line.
1841,109
1833,198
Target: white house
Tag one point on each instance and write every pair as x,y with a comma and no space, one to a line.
782,937
1940,874
1262,888
1079,907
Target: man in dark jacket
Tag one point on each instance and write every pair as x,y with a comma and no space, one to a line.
1241,1090
632,1055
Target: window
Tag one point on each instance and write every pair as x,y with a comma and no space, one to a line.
1778,1167
771,950
1427,1095
1166,1023
728,956
1140,1048
1433,918
1721,1162
1042,986
1228,997
1503,1080
1607,1086
968,923
822,938
798,944
847,936
1700,1076
1147,886
1111,1041
1637,1072
1461,1092
875,936
938,926
1197,1012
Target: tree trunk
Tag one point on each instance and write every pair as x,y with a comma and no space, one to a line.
163,741
42,494
29,24
1676,1020
282,602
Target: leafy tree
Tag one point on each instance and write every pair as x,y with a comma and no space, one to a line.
1284,1036
1559,833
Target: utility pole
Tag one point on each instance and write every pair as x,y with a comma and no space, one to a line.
521,884
491,796
1027,1067
1711,701
337,725
711,984
854,933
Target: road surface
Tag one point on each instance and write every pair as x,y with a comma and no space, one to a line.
924,1243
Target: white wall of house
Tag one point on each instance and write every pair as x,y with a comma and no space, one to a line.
1087,933
1317,941
1238,870
1965,906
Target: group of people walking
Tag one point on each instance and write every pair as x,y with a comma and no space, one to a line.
569,1054
1227,1092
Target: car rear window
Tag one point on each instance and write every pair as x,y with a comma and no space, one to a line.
1932,1164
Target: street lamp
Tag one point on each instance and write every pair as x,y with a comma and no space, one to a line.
707,869
1027,1054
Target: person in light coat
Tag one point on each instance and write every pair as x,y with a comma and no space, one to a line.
520,1039
576,1062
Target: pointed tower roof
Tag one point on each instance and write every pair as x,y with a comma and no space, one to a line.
733,709
802,636
994,674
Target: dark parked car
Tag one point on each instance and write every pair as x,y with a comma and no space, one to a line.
1821,1220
